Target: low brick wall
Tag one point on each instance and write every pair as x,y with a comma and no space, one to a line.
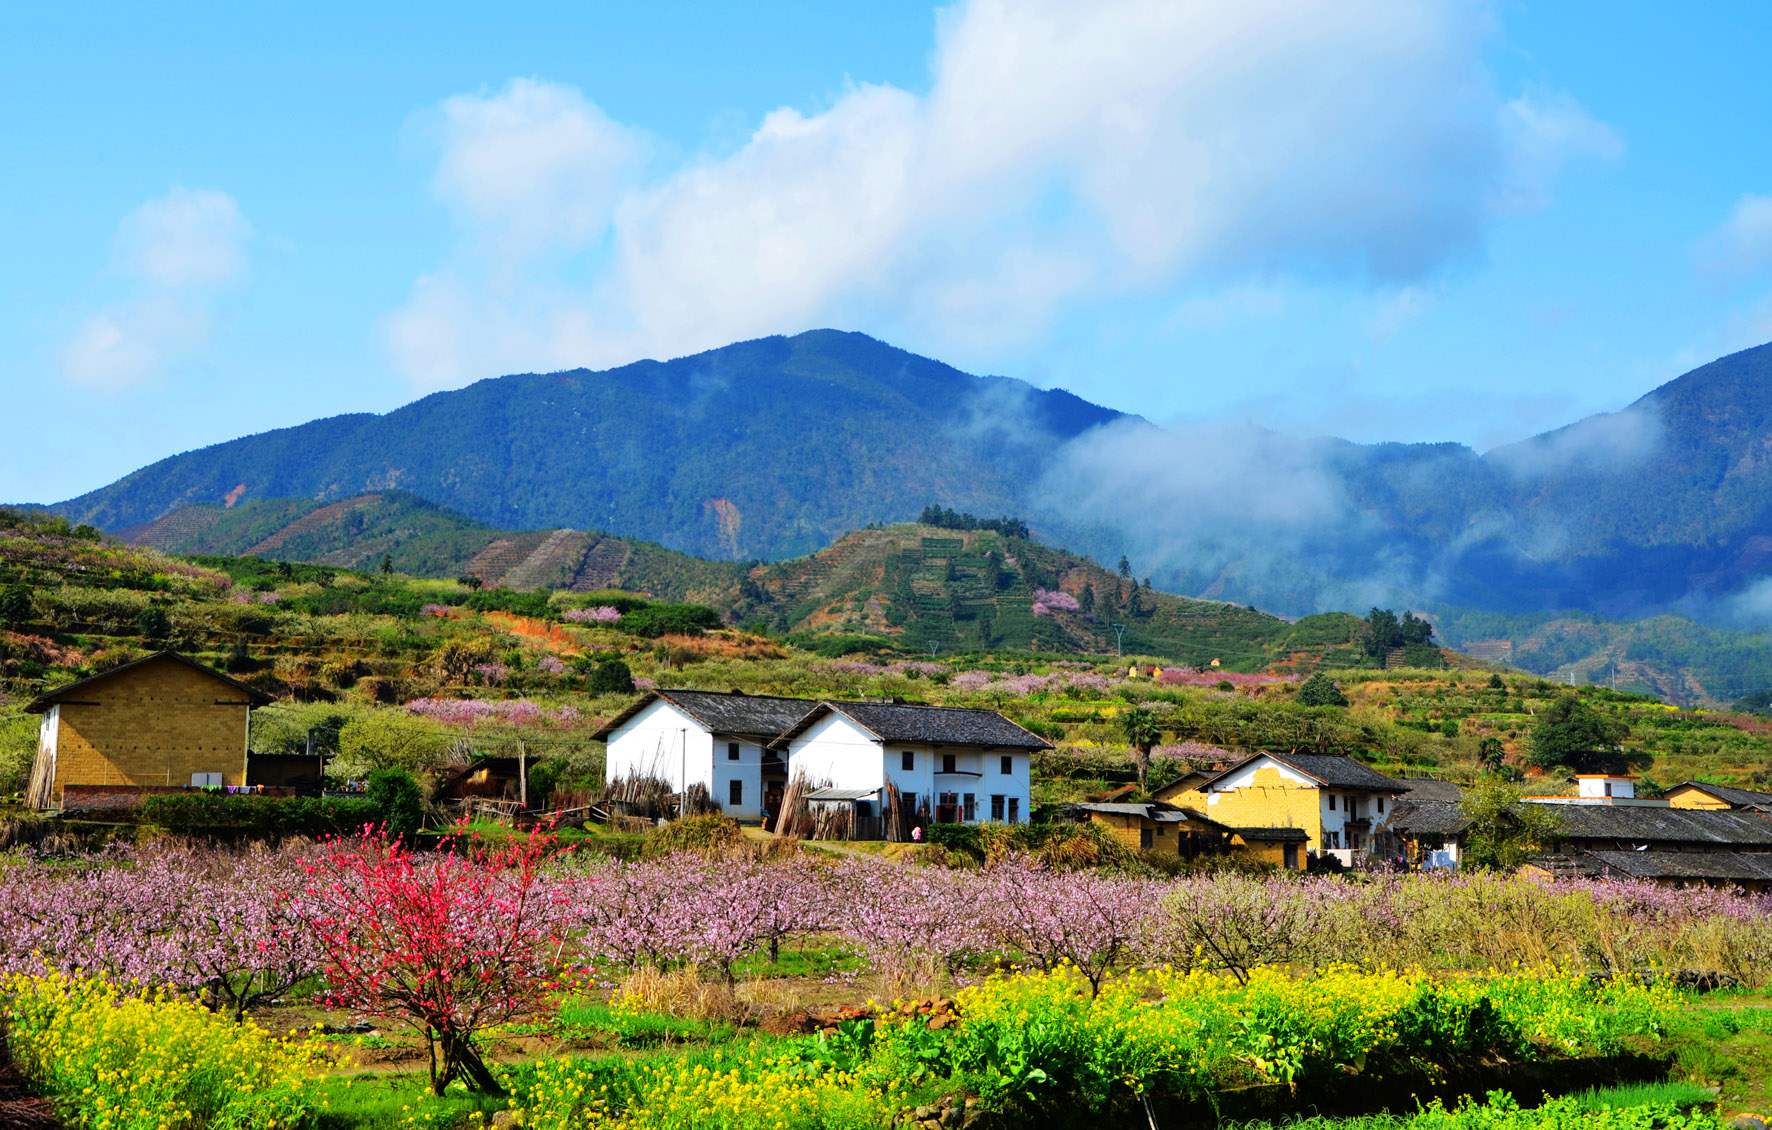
127,798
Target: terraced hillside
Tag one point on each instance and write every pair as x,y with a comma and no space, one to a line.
945,590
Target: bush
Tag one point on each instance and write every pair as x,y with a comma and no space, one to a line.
714,834
121,1062
398,801
210,813
612,676
673,619
1319,690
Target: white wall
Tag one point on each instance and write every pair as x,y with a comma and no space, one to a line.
747,770
657,742
837,752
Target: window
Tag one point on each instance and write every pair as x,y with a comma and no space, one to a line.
970,803
909,801
947,763
1608,788
1291,857
732,751
997,808
1334,840
735,792
907,761
1331,802
1381,806
1008,765
1014,810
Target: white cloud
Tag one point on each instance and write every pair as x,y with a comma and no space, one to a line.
176,252
1063,153
1742,245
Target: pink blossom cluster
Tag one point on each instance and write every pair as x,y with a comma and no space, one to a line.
493,672
1193,751
1047,602
231,927
469,711
435,609
600,615
1193,677
550,665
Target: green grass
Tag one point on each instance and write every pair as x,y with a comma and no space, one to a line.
579,1017
800,961
396,1101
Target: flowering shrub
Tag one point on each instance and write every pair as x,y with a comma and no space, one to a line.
550,665
450,945
600,615
750,1088
1046,603
468,711
123,1062
1181,1033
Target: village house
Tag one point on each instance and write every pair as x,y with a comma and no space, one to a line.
1703,794
1426,827
717,740
1281,805
163,722
949,765
1154,826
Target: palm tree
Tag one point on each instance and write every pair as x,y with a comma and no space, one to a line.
1138,724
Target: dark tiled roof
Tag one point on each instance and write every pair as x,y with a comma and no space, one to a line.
840,794
49,698
1729,866
939,725
723,712
1330,769
1426,789
1431,818
1273,835
1740,798
1155,811
1644,824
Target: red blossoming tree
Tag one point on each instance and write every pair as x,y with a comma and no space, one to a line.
449,944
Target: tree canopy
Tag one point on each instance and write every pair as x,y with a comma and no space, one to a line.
1572,733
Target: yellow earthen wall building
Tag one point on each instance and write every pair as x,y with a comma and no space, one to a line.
163,720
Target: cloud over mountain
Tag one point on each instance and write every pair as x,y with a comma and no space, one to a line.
1061,154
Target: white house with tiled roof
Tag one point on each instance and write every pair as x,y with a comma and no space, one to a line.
960,765
718,740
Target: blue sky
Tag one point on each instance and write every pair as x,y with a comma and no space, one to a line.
1371,218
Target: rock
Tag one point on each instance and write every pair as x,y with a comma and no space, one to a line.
503,1120
952,1116
787,1023
1746,1122
923,1114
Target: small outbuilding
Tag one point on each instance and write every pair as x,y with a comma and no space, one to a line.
160,721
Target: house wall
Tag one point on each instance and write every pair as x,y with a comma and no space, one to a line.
837,752
1688,797
663,741
156,724
1266,794
747,771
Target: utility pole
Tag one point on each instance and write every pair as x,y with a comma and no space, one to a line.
1119,638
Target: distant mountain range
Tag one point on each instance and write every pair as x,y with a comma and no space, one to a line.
773,448
921,586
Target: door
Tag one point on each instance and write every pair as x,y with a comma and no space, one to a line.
947,808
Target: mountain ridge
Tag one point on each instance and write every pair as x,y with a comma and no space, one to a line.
774,448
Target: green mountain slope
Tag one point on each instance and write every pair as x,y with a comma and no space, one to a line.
762,449
775,448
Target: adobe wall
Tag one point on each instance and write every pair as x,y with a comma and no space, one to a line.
1269,800
152,725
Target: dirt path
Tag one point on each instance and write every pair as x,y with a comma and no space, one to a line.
20,1109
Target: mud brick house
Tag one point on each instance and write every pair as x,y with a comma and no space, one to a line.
1281,804
1703,794
160,721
